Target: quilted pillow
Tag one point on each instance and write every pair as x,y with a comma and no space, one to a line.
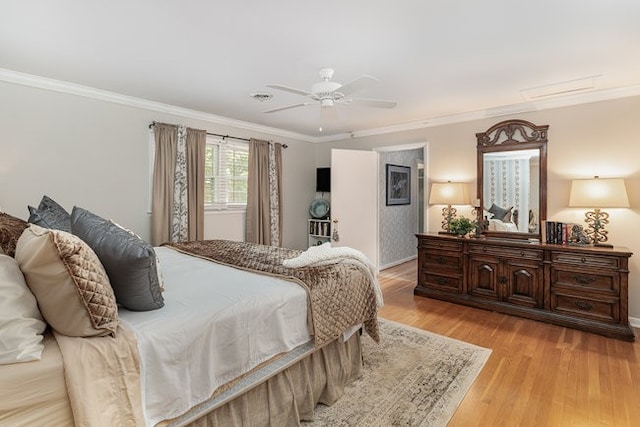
69,282
50,214
21,324
129,261
11,229
502,214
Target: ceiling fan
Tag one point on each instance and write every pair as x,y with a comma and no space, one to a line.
328,93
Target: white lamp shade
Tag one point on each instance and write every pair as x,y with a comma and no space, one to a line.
598,193
449,193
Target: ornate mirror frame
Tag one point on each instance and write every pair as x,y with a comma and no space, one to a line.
513,135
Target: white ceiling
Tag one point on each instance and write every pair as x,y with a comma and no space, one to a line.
437,58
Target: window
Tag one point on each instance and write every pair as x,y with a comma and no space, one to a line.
225,172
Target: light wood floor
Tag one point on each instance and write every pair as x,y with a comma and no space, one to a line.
538,374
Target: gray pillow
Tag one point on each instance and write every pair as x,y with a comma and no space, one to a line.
50,214
500,213
129,261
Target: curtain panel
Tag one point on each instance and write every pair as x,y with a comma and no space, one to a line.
164,166
196,147
264,196
177,205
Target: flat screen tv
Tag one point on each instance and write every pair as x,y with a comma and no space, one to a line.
323,180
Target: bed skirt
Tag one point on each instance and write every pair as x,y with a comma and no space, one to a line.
291,395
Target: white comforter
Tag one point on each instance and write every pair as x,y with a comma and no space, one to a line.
326,254
217,323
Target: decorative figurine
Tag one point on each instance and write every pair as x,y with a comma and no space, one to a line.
578,237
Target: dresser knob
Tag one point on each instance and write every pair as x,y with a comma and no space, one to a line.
521,253
583,259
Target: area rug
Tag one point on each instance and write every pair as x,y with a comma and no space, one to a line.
412,378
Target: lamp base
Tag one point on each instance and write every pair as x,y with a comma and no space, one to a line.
596,220
602,245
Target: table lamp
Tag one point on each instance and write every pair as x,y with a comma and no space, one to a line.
598,193
448,193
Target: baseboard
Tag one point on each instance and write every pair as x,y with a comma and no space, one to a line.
401,261
634,321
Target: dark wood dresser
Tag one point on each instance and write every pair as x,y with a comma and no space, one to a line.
578,287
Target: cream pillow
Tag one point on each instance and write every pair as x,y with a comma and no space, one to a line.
21,324
69,282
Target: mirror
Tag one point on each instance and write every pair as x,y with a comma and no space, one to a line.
512,179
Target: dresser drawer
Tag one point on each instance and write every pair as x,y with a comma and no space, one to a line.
439,260
511,252
586,260
596,308
440,245
598,280
442,282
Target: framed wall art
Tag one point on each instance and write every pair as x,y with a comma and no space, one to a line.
398,185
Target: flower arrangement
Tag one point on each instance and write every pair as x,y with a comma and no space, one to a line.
461,226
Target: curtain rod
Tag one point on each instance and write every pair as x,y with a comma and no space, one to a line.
224,136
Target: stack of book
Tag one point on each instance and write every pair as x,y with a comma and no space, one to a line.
556,232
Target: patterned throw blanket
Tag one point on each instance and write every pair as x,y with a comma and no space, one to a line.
340,295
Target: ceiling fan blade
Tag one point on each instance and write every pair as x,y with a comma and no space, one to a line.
291,89
288,107
378,103
360,83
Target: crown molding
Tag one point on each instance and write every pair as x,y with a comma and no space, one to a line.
117,98
523,107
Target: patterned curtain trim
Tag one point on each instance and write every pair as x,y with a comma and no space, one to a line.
274,206
179,222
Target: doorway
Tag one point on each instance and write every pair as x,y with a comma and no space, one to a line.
398,224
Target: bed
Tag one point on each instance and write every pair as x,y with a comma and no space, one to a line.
498,225
238,337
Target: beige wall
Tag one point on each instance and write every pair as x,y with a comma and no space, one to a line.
95,154
586,140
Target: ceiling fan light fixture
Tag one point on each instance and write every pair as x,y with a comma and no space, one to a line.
326,102
324,87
